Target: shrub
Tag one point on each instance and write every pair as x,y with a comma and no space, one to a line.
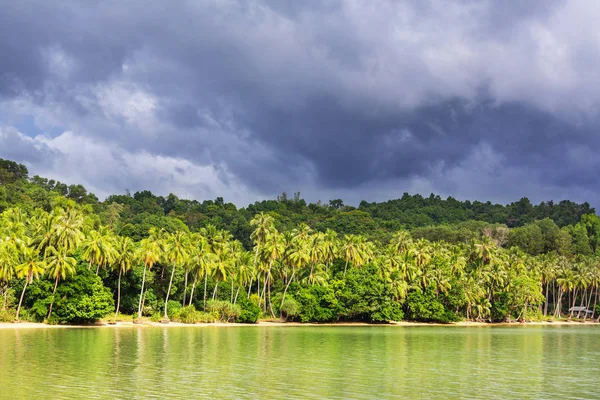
7,315
364,296
173,308
317,304
82,299
289,308
425,306
249,310
189,315
223,311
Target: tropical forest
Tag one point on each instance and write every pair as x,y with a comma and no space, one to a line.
68,258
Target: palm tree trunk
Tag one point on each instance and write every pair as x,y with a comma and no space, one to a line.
558,303
232,290
53,292
97,269
582,302
573,306
270,303
205,281
185,287
595,299
21,300
169,291
265,294
236,294
250,286
118,294
546,302
142,293
285,291
587,307
215,291
192,292
345,268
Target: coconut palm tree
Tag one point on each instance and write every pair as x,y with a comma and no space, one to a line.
200,259
31,266
123,262
59,266
98,248
149,253
176,254
353,250
273,250
264,225
69,230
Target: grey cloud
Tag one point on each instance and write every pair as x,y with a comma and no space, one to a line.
330,96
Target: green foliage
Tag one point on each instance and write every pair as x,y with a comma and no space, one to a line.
249,310
224,311
436,259
173,308
424,305
363,296
317,303
290,307
82,299
7,315
189,315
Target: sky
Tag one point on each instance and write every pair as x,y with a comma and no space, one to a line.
245,99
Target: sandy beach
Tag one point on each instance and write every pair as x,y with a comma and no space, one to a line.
262,324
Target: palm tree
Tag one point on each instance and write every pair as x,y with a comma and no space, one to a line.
69,230
264,226
199,260
31,267
177,252
98,248
149,252
59,266
124,259
8,262
272,250
245,271
353,250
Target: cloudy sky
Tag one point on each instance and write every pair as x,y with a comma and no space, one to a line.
361,99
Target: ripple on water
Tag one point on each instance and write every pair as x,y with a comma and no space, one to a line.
301,362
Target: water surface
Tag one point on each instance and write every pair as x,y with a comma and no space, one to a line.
301,362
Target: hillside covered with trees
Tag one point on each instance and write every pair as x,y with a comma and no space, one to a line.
66,257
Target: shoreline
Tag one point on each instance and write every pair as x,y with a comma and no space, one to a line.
148,324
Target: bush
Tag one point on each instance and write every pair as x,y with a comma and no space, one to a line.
364,296
223,311
189,315
82,299
425,306
7,315
317,304
249,310
289,308
173,308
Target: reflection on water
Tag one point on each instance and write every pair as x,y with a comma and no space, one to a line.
301,362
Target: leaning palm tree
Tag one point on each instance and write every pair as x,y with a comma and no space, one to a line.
31,267
124,258
59,266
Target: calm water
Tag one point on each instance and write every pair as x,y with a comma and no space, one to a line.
301,362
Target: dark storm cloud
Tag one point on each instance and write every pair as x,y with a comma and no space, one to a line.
326,95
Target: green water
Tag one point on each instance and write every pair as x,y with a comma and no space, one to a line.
301,362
